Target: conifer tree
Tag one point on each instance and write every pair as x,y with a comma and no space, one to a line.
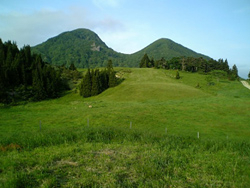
95,83
144,61
38,89
177,75
104,80
72,67
233,75
86,85
112,79
110,66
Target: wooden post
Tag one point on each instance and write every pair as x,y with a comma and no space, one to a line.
198,135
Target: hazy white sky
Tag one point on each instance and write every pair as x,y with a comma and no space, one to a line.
217,28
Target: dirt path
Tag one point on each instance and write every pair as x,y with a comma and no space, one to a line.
245,84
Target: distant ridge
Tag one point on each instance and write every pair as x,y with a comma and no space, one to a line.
85,49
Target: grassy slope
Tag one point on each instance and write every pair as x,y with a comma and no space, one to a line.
153,101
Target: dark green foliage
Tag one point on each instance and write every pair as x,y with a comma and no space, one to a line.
81,46
233,73
249,75
218,69
95,89
218,74
24,76
95,81
87,50
86,85
72,67
144,61
110,66
112,79
177,76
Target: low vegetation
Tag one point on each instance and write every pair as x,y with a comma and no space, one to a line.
183,123
141,133
115,157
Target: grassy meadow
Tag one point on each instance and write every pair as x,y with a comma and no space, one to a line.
142,133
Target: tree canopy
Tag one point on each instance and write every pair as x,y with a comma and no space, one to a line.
25,76
193,64
96,81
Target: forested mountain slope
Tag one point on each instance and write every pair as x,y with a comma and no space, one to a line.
85,49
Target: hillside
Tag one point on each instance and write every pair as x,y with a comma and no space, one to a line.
164,48
142,133
82,47
85,49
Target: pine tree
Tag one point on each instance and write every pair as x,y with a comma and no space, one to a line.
95,83
72,67
177,75
37,86
144,61
104,80
226,66
112,79
86,85
233,75
110,66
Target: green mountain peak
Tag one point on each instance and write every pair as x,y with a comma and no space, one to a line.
85,49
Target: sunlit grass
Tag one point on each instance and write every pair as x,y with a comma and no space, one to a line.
160,148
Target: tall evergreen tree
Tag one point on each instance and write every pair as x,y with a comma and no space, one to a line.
144,61
110,66
226,66
72,67
177,75
95,83
112,79
234,73
86,85
38,88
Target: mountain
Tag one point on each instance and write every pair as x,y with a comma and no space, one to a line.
82,47
165,48
85,49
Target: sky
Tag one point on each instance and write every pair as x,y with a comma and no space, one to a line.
216,28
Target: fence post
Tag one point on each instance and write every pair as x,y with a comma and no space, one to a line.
198,135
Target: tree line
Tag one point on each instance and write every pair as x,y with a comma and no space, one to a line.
191,64
96,81
25,76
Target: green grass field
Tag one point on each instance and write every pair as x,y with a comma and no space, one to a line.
78,146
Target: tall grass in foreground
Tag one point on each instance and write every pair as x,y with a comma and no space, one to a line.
118,157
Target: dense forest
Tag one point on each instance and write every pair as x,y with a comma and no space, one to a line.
192,64
96,81
25,76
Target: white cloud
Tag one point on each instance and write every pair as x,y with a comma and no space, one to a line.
38,26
